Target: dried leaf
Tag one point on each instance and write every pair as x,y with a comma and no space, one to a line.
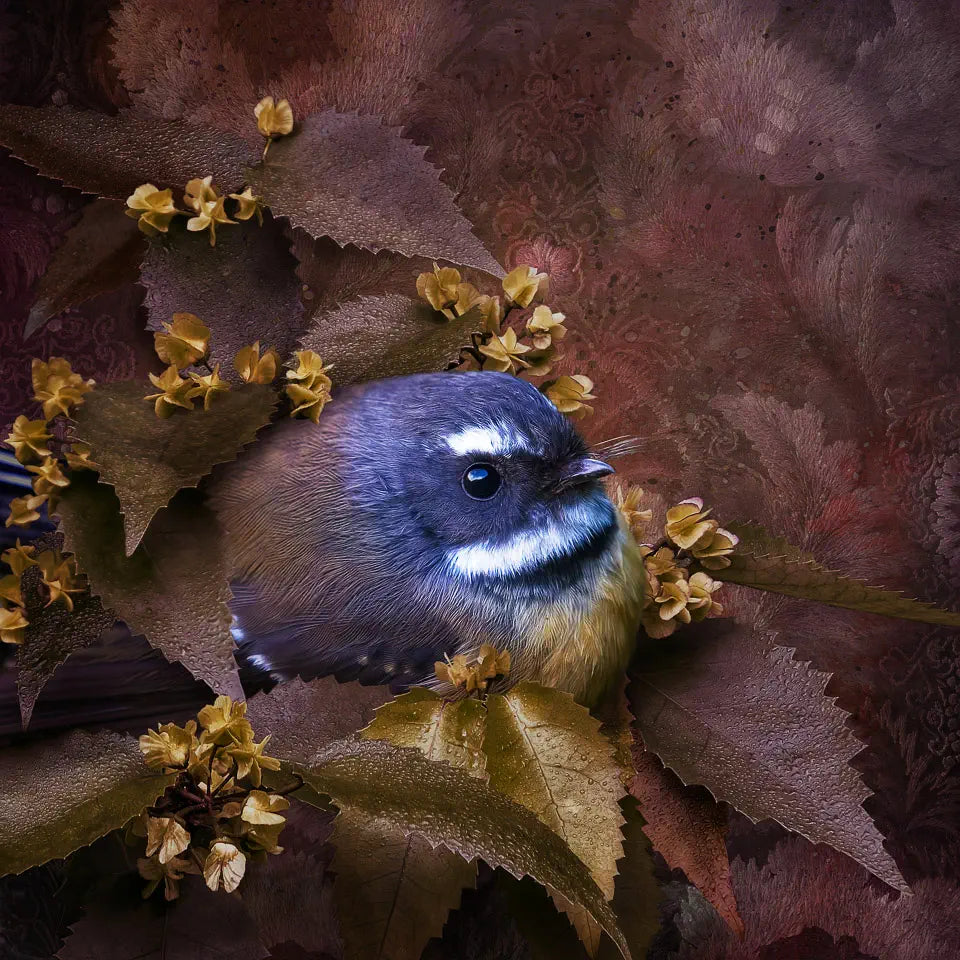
769,563
688,827
244,289
147,459
101,252
301,718
374,781
173,589
64,793
731,711
53,634
200,925
350,177
112,155
388,336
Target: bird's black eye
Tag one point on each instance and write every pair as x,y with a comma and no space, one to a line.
481,481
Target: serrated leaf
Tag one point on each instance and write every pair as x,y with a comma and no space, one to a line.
374,781
728,709
173,589
545,751
53,634
147,459
64,793
101,252
112,155
688,827
765,562
303,717
200,925
244,289
393,890
388,336
349,177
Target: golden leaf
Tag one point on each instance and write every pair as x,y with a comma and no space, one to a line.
522,284
28,439
186,340
166,837
224,866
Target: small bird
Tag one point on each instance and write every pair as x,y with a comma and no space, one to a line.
423,516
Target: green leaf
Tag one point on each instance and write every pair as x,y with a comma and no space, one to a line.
244,289
173,589
726,708
765,562
371,781
349,177
112,155
388,336
147,459
64,793
101,252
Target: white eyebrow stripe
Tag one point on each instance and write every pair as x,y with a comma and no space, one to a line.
532,547
493,439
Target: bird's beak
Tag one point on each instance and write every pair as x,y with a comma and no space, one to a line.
581,470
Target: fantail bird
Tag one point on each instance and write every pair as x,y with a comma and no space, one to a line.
423,516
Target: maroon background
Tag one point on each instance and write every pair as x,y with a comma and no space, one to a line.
749,214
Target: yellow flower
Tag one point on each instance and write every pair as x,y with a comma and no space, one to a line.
522,283
628,502
655,627
12,624
468,297
456,672
78,457
211,213
439,288
662,564
224,866
568,395
186,340
687,523
504,352
57,387
254,368
24,510
169,746
171,873
197,192
175,392
208,385
492,662
225,721
673,599
713,549
49,477
273,120
60,576
264,836
28,438
18,558
701,602
10,589
310,391
546,327
263,808
153,209
166,837
540,362
252,761
248,205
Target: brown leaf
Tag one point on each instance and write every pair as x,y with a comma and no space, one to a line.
303,717
387,336
370,780
101,252
737,714
173,589
689,828
147,459
244,289
53,634
350,177
63,793
112,155
200,925
765,562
